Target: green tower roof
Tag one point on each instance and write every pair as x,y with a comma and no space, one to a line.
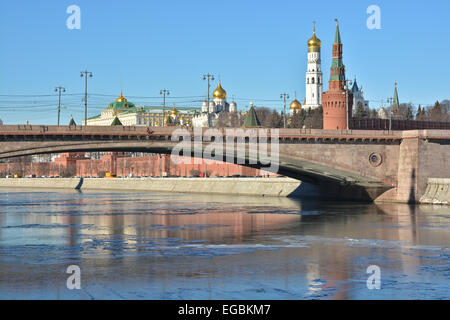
396,101
252,119
116,122
337,36
72,122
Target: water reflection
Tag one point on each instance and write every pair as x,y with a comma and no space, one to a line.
165,246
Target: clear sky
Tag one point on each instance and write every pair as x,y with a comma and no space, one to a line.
258,48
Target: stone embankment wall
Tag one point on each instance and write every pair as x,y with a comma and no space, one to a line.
272,187
437,192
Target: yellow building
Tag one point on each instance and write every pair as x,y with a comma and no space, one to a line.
130,115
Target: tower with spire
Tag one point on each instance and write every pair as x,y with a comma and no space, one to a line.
396,103
314,83
338,100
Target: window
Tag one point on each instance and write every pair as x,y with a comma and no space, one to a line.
312,80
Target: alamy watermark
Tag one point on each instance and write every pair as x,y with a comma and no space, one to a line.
374,280
374,20
74,20
74,280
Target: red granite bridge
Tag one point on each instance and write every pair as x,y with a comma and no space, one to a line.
348,164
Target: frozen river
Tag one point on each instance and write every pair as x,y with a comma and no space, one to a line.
179,246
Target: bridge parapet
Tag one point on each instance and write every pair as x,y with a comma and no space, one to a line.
283,133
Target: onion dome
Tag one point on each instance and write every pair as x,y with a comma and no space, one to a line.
296,105
174,111
314,42
219,93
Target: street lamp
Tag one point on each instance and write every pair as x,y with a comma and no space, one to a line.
284,96
60,89
85,74
209,77
348,83
390,101
164,93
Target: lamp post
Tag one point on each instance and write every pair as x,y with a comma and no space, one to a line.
164,92
85,74
209,77
60,89
390,101
284,96
348,83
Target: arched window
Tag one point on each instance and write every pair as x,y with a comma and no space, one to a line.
312,80
307,80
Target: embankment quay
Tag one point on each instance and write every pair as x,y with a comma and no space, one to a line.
270,187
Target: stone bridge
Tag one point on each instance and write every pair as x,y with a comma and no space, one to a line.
346,165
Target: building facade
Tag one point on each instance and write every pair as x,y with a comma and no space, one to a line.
130,115
338,100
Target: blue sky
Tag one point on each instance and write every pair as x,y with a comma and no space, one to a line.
257,47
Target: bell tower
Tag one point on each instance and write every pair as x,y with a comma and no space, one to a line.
314,81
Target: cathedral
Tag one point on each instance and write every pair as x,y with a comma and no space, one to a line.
218,105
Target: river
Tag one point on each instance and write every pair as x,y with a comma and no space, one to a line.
131,245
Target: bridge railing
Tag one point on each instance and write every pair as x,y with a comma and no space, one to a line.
168,131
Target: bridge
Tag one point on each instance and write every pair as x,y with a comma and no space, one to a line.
347,164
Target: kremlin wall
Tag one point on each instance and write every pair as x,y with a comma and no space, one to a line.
122,164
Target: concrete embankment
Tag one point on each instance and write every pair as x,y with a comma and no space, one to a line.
272,187
437,192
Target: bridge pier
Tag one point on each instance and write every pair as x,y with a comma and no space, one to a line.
419,160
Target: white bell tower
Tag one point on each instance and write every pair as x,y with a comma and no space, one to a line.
314,79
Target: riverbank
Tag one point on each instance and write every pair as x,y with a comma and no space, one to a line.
269,187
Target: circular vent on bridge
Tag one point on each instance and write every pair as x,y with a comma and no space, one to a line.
375,159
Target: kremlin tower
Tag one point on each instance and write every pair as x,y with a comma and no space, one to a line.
337,101
314,74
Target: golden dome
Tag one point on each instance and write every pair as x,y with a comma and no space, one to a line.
174,111
121,98
314,41
296,105
219,93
